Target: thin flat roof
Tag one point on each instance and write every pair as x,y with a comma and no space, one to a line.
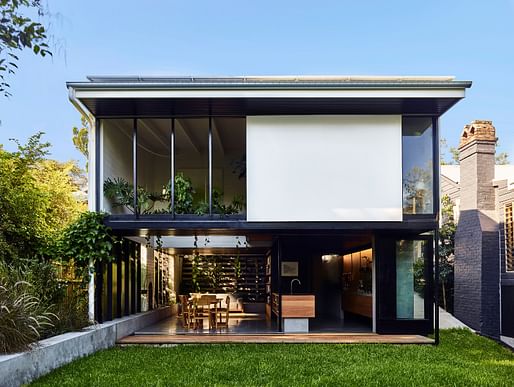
158,96
267,78
288,81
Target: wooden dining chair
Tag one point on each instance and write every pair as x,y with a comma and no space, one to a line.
222,316
202,310
186,311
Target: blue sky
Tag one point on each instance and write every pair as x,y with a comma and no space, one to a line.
473,40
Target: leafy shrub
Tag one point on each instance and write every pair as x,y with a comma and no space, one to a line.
43,277
23,316
88,240
66,300
72,313
37,200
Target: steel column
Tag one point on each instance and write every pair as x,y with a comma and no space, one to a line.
210,165
134,166
172,167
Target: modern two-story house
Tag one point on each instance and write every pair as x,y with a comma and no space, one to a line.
312,200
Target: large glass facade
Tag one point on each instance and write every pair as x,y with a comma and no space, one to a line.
206,156
153,165
117,167
229,165
418,165
192,166
410,279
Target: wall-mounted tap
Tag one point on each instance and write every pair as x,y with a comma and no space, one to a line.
292,281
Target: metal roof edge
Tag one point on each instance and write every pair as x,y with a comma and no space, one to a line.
269,78
321,85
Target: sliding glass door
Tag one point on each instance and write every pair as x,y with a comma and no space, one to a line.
405,284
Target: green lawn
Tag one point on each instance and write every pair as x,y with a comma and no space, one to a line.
462,359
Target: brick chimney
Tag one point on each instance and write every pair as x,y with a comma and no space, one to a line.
477,149
477,301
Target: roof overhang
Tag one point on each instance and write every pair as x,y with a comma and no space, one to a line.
241,96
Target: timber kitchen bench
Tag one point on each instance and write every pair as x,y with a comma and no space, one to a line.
294,310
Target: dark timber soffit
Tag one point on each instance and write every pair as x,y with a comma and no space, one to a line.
127,225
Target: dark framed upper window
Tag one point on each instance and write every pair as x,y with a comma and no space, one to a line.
184,166
418,165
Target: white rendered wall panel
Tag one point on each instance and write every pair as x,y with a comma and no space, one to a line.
324,168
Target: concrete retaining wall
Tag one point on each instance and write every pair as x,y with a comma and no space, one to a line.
56,351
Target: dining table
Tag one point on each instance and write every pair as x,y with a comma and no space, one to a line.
199,303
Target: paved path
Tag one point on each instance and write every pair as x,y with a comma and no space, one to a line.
447,321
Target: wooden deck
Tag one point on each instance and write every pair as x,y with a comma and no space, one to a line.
317,338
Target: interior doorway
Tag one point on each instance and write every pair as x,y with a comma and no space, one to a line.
344,291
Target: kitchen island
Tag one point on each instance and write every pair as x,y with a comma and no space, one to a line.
294,310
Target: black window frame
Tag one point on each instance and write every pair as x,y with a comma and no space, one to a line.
134,147
385,295
435,170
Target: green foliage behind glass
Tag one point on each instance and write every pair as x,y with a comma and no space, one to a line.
121,194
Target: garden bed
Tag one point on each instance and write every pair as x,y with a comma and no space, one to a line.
56,351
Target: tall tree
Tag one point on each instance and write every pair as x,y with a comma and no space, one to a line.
447,230
502,158
443,148
18,32
37,200
80,137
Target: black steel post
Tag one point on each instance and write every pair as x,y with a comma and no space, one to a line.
134,166
436,286
108,314
126,279
119,281
132,261
98,292
172,167
210,165
138,276
435,124
98,193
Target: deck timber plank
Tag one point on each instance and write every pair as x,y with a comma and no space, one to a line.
317,338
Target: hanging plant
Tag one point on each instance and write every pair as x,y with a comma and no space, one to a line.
195,269
158,242
237,264
214,273
88,240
